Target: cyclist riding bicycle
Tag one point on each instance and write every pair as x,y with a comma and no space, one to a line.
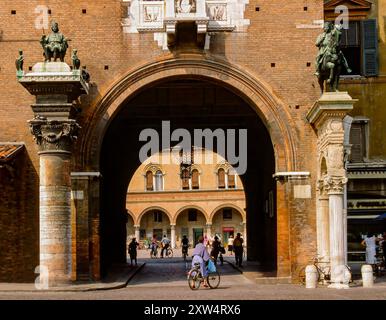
165,245
201,256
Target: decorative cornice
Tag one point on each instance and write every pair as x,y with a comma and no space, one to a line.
54,135
330,105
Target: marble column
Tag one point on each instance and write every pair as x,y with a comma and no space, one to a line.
173,235
55,140
327,116
334,185
323,227
56,88
137,232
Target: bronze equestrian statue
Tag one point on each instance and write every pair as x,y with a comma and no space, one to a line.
330,59
54,45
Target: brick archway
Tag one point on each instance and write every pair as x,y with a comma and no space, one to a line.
255,92
269,109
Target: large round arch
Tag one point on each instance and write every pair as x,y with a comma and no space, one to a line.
257,95
255,92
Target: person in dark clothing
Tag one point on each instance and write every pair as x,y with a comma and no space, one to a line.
133,251
384,248
238,250
216,245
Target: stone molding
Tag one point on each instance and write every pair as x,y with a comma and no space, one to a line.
54,135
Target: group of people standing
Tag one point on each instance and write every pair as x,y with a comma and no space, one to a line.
216,248
371,242
234,245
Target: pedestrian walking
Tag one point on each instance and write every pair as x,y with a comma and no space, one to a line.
133,251
230,244
238,249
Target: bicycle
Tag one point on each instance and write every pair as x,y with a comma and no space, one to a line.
185,249
324,274
195,278
169,253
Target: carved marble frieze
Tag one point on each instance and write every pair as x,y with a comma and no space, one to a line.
161,16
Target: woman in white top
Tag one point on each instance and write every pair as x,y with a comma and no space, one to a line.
370,244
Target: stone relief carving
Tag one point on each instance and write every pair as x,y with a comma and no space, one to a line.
335,157
185,6
54,134
217,12
152,13
152,16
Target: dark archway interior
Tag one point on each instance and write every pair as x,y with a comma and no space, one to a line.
189,104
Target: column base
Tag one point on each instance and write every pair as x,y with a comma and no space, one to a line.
338,286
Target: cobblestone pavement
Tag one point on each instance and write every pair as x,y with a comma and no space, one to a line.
166,279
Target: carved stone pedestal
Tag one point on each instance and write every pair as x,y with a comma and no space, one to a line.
327,118
55,87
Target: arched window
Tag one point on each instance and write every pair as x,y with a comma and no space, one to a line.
221,178
195,179
185,179
149,181
159,185
231,179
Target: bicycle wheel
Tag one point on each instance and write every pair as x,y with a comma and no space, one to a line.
302,275
169,253
194,279
214,279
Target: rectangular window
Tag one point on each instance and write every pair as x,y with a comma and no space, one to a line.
358,141
227,214
185,179
195,179
157,216
359,44
142,234
221,178
231,181
192,215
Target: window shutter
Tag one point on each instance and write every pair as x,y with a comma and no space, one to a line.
195,184
149,181
357,139
221,178
350,37
185,179
369,47
231,180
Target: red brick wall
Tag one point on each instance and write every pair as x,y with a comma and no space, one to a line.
272,38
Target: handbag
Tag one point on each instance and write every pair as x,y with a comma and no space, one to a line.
222,250
211,266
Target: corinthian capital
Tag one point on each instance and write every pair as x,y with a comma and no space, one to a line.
54,135
334,185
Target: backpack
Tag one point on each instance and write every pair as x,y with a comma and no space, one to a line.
237,243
